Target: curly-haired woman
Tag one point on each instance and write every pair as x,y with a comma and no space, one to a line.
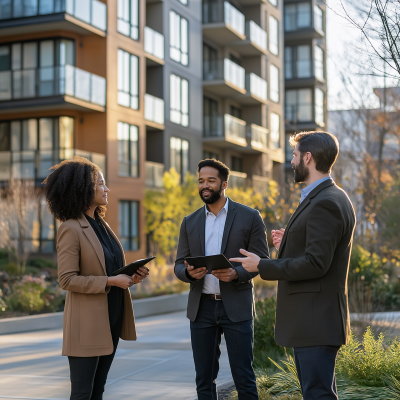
98,306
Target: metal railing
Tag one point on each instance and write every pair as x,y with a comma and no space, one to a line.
226,70
257,35
153,109
223,12
153,43
257,86
154,175
227,127
53,81
92,12
259,136
35,164
237,180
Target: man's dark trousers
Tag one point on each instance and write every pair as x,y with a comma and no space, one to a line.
206,333
316,370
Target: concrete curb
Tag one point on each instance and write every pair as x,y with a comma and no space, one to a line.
141,307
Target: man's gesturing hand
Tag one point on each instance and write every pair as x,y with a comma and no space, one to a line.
226,275
250,262
277,237
197,273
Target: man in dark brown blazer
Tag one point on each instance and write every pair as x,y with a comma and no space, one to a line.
312,313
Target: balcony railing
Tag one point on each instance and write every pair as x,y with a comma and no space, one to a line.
223,12
154,175
261,184
237,180
153,109
226,70
259,136
53,81
92,12
35,164
153,43
228,127
257,35
257,86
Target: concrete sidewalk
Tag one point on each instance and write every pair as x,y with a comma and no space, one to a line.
158,366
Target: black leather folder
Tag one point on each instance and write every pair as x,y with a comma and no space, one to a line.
218,261
132,268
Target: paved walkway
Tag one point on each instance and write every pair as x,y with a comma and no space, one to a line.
158,366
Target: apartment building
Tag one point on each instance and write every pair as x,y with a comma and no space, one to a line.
138,87
305,68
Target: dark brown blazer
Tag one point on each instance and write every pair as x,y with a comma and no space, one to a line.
82,273
312,268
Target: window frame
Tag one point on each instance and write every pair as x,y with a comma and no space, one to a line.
172,47
298,104
271,36
274,144
131,239
134,96
272,85
129,21
129,160
319,107
182,170
180,110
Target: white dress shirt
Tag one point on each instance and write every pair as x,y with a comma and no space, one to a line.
214,232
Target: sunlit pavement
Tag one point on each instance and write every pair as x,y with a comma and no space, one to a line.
158,366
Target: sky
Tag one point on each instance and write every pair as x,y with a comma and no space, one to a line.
342,38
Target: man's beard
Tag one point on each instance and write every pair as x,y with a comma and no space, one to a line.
215,195
301,172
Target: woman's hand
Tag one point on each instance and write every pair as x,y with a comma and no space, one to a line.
142,273
123,281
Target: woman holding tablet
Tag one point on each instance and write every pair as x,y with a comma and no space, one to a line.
98,306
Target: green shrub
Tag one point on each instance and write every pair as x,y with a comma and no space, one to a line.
42,263
11,268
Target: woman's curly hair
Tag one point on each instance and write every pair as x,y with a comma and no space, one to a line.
71,187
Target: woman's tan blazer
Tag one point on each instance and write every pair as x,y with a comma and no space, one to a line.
82,272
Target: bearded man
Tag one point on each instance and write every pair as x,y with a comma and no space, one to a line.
312,313
221,302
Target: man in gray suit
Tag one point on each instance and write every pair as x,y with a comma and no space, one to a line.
221,302
312,314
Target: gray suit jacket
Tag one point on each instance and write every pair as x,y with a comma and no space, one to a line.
312,268
244,229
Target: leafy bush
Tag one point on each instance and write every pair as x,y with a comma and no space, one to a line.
42,263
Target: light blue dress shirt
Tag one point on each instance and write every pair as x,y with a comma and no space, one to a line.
214,231
308,189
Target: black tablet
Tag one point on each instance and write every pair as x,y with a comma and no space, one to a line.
132,268
218,261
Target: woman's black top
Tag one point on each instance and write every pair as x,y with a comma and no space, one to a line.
113,259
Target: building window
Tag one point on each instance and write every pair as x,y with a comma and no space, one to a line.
178,31
128,18
288,63
210,154
179,156
275,134
319,63
274,83
211,124
298,105
274,2
297,16
298,62
128,80
319,107
179,97
273,35
288,149
129,225
237,164
128,150
318,20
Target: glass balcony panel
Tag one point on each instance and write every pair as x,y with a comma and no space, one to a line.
46,7
98,90
153,109
303,68
154,175
153,43
258,86
5,85
99,15
5,9
259,136
24,8
234,73
258,35
46,81
237,180
82,10
82,84
46,159
235,129
212,126
69,6
234,18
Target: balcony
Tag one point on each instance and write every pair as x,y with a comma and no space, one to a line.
257,91
223,78
260,184
225,132
222,23
237,180
154,47
154,175
258,138
154,112
52,88
256,43
81,16
36,164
